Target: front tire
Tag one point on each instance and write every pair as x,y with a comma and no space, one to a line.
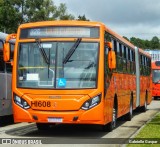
144,108
110,126
129,115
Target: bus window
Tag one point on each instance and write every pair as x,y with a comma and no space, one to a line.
124,59
80,70
119,58
1,45
125,54
118,52
115,46
120,48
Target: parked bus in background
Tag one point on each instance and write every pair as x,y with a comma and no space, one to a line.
155,58
5,76
77,72
156,79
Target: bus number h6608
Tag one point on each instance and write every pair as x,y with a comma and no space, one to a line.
40,103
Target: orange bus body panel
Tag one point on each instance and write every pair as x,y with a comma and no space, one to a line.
155,86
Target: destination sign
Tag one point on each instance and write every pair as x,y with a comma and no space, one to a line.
60,32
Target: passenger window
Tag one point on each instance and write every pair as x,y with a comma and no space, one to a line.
115,46
1,45
118,52
129,54
120,49
125,52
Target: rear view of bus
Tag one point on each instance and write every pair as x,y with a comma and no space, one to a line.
156,79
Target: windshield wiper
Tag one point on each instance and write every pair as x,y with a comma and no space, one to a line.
92,64
72,50
43,53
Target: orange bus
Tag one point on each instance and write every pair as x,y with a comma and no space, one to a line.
77,72
156,79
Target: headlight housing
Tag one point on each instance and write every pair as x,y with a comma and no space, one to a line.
21,102
91,102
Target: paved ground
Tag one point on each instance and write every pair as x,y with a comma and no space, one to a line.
78,135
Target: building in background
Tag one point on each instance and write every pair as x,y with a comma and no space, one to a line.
155,54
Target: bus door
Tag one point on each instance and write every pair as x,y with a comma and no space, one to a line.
2,79
7,109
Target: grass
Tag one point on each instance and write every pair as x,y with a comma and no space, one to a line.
150,131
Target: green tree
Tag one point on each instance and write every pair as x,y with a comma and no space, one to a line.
15,12
147,44
9,17
155,42
39,10
82,18
126,38
62,13
137,42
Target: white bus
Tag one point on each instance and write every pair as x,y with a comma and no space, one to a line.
5,77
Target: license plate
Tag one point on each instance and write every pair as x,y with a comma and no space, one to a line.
55,119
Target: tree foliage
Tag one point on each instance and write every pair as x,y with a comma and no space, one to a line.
62,13
9,16
154,43
82,18
15,12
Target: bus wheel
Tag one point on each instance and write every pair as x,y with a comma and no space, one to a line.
144,108
110,126
129,115
43,126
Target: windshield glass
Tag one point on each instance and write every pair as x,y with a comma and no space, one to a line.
156,76
80,71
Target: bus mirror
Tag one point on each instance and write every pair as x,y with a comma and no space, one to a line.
6,52
111,59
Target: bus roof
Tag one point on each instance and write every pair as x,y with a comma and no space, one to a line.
61,22
81,23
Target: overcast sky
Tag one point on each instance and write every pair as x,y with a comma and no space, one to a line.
137,18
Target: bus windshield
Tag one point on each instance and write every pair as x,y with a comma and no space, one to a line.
80,70
156,76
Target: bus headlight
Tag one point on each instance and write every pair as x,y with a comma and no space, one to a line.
21,102
91,103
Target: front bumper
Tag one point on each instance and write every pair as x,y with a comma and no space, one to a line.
91,116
